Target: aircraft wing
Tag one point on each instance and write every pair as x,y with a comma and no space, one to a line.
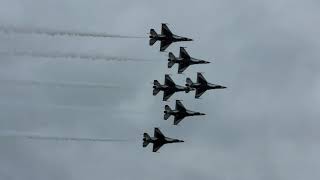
165,30
182,67
164,45
158,133
167,95
201,79
183,53
168,81
156,146
179,106
199,92
177,119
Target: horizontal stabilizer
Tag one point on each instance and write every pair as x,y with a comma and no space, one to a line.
146,139
152,41
145,143
153,33
167,112
166,116
153,37
171,60
156,91
156,83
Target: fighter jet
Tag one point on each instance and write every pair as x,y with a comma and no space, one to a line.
158,140
169,88
179,113
201,85
166,37
184,60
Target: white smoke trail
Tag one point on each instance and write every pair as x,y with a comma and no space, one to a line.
56,55
57,138
74,139
58,84
70,107
19,30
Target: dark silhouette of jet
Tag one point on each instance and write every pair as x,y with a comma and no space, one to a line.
201,85
179,113
184,60
169,88
166,37
158,140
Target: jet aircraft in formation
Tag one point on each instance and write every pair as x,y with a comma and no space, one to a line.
201,86
158,140
184,60
166,37
168,88
179,113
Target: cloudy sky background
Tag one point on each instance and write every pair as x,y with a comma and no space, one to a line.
264,126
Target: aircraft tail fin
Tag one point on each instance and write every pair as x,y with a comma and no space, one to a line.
171,60
188,82
153,35
156,90
167,112
146,139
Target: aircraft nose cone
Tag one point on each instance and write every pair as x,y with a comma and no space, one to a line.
207,62
202,114
181,141
222,87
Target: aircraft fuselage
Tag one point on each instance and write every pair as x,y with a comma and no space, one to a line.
165,140
176,88
173,38
206,86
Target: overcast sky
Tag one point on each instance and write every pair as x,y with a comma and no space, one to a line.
265,125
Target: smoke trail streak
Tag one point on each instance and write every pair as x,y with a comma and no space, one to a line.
70,107
18,30
71,56
56,138
58,84
75,139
